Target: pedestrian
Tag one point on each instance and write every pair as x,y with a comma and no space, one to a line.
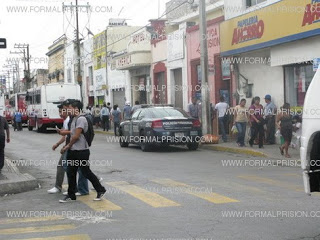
79,154
105,114
270,120
240,121
82,187
222,108
127,111
284,124
256,122
96,115
18,120
135,107
116,118
3,126
194,108
297,131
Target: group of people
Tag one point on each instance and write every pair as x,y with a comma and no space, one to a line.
103,117
263,121
75,154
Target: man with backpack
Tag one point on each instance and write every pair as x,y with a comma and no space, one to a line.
78,153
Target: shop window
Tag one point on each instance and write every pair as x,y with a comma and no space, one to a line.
251,3
297,81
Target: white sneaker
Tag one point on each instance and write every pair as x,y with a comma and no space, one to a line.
66,194
54,190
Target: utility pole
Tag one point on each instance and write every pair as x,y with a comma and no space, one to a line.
26,62
205,103
79,75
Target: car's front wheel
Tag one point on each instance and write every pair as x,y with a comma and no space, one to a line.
193,146
122,140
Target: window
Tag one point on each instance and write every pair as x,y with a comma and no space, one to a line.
251,3
90,76
297,81
99,62
136,114
167,112
69,75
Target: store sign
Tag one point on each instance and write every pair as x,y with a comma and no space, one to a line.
3,43
123,61
278,23
176,46
316,63
226,72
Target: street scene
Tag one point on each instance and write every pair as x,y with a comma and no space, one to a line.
163,120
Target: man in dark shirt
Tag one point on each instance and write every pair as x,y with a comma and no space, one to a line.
3,126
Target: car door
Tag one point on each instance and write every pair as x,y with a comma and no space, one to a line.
134,123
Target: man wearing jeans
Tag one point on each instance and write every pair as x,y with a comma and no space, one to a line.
78,155
3,126
222,107
82,188
270,117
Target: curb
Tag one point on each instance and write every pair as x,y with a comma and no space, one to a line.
16,182
234,150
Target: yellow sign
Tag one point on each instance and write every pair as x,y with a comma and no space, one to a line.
278,23
99,51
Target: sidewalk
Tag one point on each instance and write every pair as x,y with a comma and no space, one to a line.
12,181
269,151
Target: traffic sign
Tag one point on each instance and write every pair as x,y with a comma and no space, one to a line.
3,43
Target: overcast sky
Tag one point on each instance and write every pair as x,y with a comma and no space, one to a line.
40,22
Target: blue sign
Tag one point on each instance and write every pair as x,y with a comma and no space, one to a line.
316,63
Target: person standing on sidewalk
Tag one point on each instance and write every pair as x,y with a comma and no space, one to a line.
270,112
240,121
78,155
135,107
222,108
194,108
116,118
82,187
256,122
105,115
4,129
284,124
18,120
127,111
96,116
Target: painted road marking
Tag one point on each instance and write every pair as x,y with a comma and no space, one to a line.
71,237
51,228
206,195
22,219
99,206
272,182
152,199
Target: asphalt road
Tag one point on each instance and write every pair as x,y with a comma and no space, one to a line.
166,194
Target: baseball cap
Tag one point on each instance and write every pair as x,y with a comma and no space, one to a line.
268,96
127,103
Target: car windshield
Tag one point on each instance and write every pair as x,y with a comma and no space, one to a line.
167,112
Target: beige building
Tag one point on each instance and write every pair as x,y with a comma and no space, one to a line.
39,77
56,60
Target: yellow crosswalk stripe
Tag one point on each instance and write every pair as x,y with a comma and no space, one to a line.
21,219
206,195
51,228
152,199
273,182
99,206
70,237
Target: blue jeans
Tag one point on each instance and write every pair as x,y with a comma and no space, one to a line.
241,126
82,186
222,123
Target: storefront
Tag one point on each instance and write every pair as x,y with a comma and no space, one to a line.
271,50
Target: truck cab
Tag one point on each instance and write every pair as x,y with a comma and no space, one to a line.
310,139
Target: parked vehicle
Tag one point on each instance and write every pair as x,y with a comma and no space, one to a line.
310,139
42,104
18,103
160,125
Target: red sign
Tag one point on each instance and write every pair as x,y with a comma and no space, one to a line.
248,29
312,13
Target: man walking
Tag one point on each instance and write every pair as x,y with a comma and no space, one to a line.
135,107
270,119
18,120
127,111
3,126
78,155
221,108
105,115
82,189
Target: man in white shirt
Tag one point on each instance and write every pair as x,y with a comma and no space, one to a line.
222,108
